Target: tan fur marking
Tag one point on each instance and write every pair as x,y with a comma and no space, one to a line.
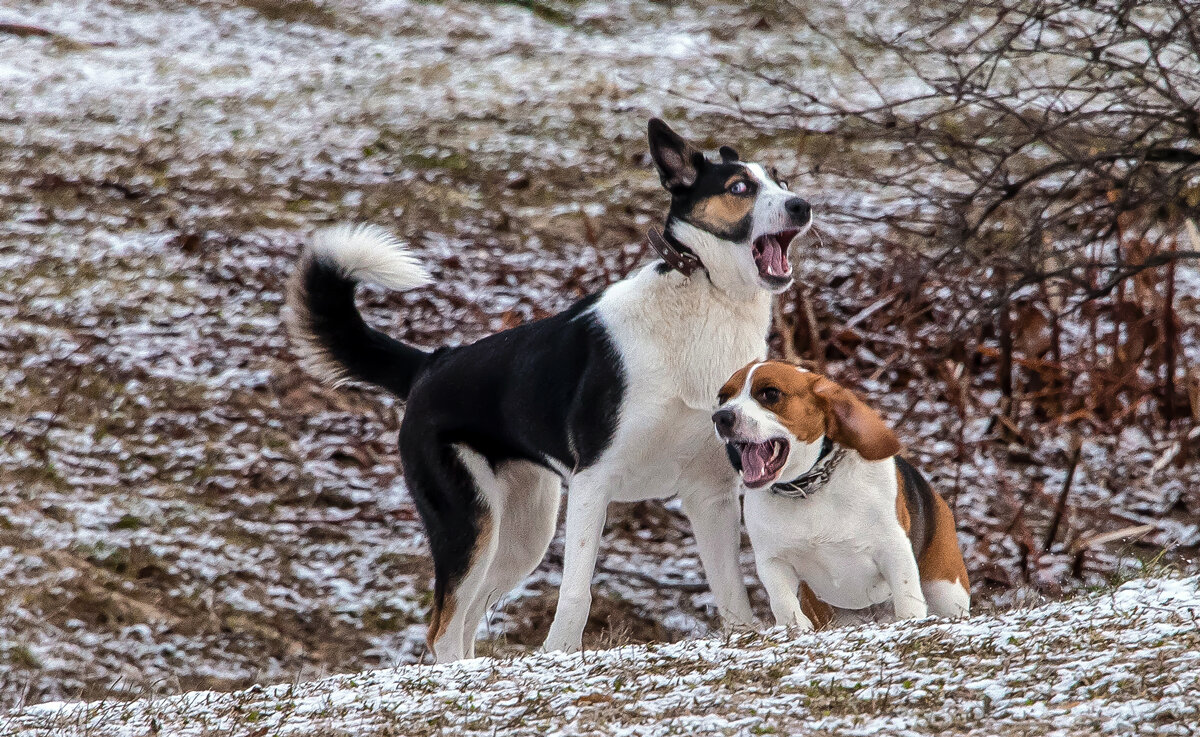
439,619
817,611
797,409
740,176
812,406
722,213
855,425
902,514
943,559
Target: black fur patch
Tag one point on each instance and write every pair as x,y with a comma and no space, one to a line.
691,179
550,389
547,389
918,497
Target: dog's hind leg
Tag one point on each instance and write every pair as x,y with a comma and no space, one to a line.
454,491
943,572
456,626
527,520
947,598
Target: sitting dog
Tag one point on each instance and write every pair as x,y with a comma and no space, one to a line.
830,508
611,397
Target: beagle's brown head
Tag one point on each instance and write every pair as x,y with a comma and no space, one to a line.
738,219
773,416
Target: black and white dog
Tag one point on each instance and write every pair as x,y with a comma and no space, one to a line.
611,397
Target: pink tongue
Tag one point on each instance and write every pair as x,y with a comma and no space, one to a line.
754,462
773,255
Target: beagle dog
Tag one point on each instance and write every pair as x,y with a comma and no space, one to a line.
837,519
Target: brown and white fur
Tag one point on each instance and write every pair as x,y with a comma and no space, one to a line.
873,532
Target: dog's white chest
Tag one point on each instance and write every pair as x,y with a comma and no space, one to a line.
682,338
664,451
678,343
826,538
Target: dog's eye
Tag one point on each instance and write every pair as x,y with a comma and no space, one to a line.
769,395
739,187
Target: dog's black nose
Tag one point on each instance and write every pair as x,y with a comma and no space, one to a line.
724,419
799,209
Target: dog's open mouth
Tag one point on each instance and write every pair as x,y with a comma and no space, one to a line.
761,462
771,255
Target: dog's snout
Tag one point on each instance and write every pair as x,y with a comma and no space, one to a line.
724,419
799,209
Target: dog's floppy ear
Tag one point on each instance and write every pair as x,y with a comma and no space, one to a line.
853,424
728,154
678,162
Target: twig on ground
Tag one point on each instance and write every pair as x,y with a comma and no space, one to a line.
24,30
691,587
1060,508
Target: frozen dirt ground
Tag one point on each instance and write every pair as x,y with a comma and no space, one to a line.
182,508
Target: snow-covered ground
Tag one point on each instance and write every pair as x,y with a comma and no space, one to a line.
1122,662
182,508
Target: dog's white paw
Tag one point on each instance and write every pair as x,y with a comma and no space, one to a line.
911,609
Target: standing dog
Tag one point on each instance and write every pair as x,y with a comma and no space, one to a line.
612,396
830,505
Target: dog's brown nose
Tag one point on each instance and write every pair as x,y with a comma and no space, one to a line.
723,419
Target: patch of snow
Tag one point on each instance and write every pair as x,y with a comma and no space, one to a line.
1129,659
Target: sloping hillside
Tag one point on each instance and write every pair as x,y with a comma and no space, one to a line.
1121,662
182,508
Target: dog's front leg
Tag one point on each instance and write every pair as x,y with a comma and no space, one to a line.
782,584
587,506
899,569
716,522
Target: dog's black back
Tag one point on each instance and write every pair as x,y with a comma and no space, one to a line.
544,391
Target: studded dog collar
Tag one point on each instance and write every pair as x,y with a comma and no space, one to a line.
676,255
815,477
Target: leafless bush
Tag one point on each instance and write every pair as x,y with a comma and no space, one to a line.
1039,162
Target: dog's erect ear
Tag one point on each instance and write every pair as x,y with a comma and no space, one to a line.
678,162
855,425
728,154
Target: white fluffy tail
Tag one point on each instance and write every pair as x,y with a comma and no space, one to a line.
369,253
328,332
